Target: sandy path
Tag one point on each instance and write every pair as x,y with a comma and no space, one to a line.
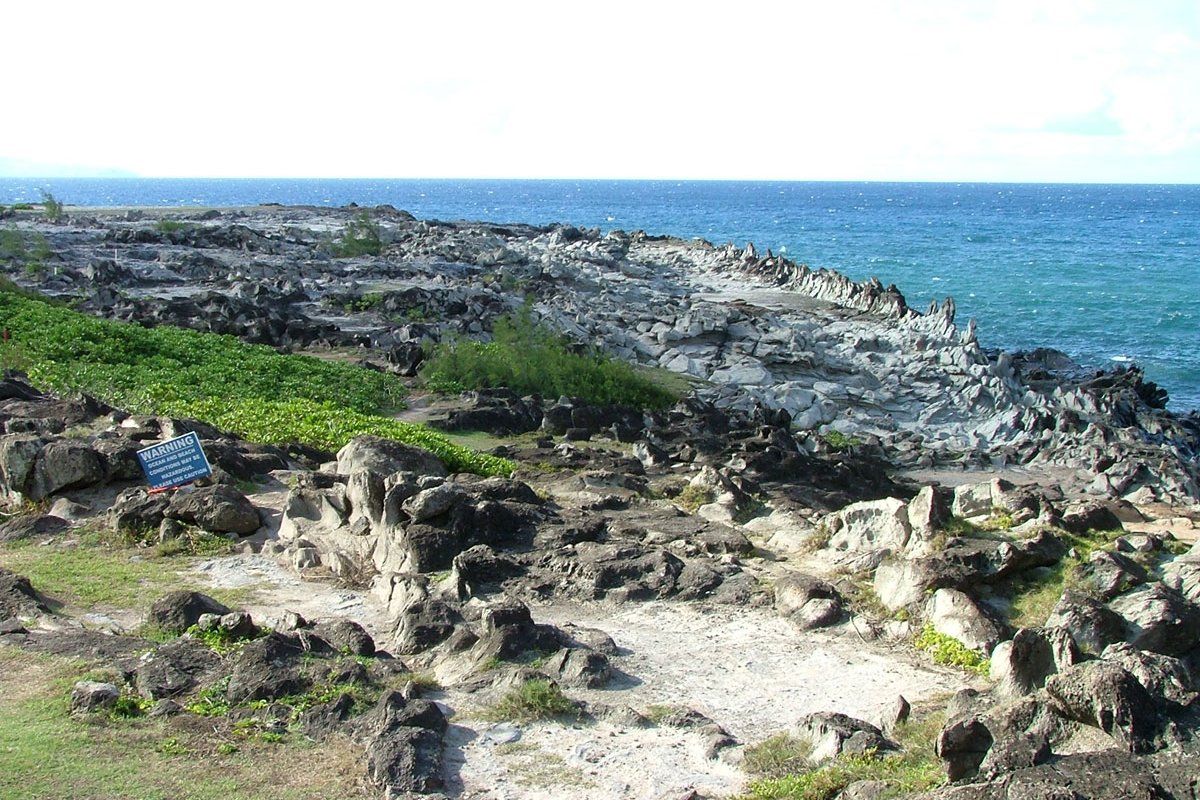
746,668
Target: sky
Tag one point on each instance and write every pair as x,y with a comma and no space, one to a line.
936,90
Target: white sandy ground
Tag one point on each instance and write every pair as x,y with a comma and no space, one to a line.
746,668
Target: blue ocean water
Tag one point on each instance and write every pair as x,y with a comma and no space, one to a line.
1107,273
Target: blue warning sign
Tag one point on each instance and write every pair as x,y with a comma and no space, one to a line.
174,462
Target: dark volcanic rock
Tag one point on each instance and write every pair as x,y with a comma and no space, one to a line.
267,669
178,611
218,508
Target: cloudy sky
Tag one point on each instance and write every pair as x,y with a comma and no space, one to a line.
959,90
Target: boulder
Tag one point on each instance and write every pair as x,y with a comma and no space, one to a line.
1111,574
405,760
1159,619
175,667
1091,515
433,502
1105,695
808,602
137,510
387,456
65,464
832,735
179,610
1092,625
1163,676
218,508
268,669
955,614
18,598
18,454
578,668
1021,665
870,525
89,696
345,636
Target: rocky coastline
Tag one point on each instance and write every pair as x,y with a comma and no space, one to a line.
861,472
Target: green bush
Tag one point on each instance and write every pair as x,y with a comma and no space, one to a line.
359,238
529,359
52,207
247,389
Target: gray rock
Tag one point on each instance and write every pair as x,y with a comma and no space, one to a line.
433,502
1112,573
65,464
89,696
1021,665
386,456
578,668
1107,696
267,669
955,614
833,734
1158,619
1091,624
137,510
218,508
406,760
179,610
808,602
175,667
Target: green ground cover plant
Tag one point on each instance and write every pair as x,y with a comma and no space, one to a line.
950,652
529,359
250,390
360,237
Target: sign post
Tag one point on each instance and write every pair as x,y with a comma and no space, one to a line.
174,462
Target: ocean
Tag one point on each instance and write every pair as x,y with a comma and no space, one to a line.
1109,274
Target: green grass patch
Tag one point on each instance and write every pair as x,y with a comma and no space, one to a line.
948,651
529,359
99,569
46,753
533,700
250,390
693,496
782,770
840,442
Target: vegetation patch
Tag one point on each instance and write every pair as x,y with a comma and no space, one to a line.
693,496
250,390
529,359
783,772
98,569
47,753
360,237
840,442
948,651
533,700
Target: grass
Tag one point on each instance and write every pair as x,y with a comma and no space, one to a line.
535,768
693,496
535,699
529,359
250,390
783,772
840,442
97,569
950,652
45,753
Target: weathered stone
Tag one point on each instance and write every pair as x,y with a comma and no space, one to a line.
1091,624
955,614
64,464
386,456
807,601
1107,696
175,667
267,669
89,696
1158,619
179,610
218,508
832,735
1021,665
578,668
871,525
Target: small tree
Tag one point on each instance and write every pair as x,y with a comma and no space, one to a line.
52,207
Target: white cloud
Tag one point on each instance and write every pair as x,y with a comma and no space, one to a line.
859,90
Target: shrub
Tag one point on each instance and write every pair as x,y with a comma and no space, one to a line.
529,359
52,207
360,237
533,700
